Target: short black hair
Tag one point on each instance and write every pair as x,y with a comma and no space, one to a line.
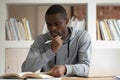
57,9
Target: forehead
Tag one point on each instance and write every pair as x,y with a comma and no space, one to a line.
53,17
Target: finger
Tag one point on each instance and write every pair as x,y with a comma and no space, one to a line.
54,73
51,70
57,38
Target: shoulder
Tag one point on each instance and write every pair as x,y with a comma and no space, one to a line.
83,36
82,33
79,34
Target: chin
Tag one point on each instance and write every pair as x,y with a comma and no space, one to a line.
54,36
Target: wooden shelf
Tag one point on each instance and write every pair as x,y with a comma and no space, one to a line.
106,44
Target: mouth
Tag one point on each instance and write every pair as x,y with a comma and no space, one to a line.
55,34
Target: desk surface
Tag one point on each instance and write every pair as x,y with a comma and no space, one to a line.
76,78
70,78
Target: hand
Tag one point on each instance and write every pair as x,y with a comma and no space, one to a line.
56,43
57,70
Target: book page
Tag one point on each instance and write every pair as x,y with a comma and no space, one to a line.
36,75
24,73
17,75
43,75
11,75
45,79
27,75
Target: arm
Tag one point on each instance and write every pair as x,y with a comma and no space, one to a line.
37,57
82,68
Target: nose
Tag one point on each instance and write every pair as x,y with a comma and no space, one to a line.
53,28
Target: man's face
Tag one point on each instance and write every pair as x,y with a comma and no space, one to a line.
56,25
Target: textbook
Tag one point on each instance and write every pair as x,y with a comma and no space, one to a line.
27,75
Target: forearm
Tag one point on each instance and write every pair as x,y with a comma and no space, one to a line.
82,67
35,61
77,69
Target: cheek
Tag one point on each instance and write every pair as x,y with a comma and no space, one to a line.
49,29
63,31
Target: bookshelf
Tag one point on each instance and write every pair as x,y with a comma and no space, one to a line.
6,45
108,10
108,25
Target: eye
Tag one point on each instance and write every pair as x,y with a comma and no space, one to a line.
48,24
58,24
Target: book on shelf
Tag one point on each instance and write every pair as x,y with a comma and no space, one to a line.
27,29
23,75
117,27
8,33
103,31
113,30
13,26
21,30
118,23
109,28
16,30
11,30
77,24
98,33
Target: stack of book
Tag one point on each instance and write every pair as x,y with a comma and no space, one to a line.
17,30
77,24
108,29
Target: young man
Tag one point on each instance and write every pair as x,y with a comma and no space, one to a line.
68,53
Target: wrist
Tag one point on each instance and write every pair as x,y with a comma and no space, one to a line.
65,70
54,50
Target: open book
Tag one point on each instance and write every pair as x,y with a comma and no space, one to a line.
27,75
